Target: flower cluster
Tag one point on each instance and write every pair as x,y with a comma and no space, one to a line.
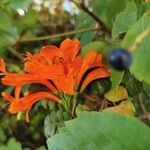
59,69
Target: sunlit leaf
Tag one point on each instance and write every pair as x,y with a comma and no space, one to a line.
125,108
114,95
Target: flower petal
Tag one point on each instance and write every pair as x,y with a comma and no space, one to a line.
70,49
2,66
14,79
27,102
91,60
49,51
95,74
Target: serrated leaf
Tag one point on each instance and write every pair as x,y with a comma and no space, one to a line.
114,95
125,108
93,131
123,21
108,9
140,66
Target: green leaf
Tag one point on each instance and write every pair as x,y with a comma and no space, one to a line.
123,21
116,78
49,127
93,131
28,21
12,144
87,38
98,46
5,23
53,122
108,9
22,4
114,7
140,66
8,33
145,8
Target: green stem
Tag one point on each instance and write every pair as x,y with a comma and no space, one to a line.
74,105
57,35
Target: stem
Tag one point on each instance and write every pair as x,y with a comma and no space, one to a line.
90,13
139,39
145,112
57,35
15,53
74,105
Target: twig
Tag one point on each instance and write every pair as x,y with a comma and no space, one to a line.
139,40
90,13
57,35
146,114
15,53
103,105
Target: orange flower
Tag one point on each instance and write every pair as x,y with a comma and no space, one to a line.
59,69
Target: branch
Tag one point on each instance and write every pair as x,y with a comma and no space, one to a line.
15,53
146,114
57,35
90,13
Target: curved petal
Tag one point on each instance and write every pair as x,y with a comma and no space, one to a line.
91,60
2,66
27,102
95,74
49,51
70,49
14,79
7,97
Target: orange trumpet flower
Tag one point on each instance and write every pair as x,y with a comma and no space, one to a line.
59,69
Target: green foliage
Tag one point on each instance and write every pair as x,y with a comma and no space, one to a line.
108,9
109,131
12,144
53,122
123,21
28,21
144,8
98,46
116,78
140,67
8,33
17,4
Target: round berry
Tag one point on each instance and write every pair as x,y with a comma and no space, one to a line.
120,59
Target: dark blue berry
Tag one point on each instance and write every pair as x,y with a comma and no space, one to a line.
120,59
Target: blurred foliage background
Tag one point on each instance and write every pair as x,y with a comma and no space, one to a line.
27,25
